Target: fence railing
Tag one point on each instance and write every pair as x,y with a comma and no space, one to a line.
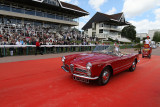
46,49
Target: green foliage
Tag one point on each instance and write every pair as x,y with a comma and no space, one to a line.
156,37
137,40
129,32
108,42
138,47
125,46
144,38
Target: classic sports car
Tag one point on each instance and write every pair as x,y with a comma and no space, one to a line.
100,64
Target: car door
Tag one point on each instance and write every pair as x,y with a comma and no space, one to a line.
125,60
121,63
117,64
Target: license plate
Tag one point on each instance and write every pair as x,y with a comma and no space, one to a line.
80,79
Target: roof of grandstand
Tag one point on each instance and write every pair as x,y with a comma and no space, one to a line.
114,19
61,7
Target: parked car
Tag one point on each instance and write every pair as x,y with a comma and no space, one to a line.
99,65
154,46
158,44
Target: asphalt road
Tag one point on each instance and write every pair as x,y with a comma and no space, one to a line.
156,51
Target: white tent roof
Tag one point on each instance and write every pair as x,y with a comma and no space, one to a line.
123,40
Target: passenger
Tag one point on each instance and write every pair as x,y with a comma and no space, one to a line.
116,47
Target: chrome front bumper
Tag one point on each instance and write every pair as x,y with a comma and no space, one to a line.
81,76
85,77
64,68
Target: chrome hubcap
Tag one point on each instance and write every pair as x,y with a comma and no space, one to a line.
134,65
105,76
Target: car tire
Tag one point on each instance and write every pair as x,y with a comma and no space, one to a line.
149,56
133,67
104,77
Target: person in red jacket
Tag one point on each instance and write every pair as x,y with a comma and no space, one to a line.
38,48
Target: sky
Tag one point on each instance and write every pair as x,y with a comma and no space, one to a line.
144,14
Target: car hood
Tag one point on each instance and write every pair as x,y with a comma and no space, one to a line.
83,59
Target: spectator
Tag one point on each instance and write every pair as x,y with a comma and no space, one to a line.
18,42
38,48
19,49
0,37
11,49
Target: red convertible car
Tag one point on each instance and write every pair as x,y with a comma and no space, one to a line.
99,65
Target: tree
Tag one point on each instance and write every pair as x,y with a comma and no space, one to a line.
137,40
129,32
156,37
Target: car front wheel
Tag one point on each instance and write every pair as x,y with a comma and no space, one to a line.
133,67
104,77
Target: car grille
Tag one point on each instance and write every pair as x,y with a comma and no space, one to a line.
81,70
67,67
72,68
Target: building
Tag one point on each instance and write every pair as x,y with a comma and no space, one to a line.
52,15
141,35
103,26
151,33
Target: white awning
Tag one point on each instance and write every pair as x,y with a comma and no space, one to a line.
123,40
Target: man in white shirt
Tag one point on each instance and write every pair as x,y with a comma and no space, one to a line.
18,42
148,41
20,50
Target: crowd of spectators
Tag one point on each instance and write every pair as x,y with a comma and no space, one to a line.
28,35
12,34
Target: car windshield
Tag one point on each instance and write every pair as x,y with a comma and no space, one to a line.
106,49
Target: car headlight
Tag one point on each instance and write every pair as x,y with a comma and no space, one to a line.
89,66
63,59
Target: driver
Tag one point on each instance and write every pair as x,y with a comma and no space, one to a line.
148,41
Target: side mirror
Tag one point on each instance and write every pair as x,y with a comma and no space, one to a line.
121,55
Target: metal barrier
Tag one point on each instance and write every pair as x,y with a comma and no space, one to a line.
46,49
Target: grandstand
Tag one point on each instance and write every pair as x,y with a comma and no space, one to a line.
28,18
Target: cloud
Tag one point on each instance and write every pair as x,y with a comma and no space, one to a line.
75,2
157,13
81,24
132,8
86,18
83,21
95,4
144,25
112,11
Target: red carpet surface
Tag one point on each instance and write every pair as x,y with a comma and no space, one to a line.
42,83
